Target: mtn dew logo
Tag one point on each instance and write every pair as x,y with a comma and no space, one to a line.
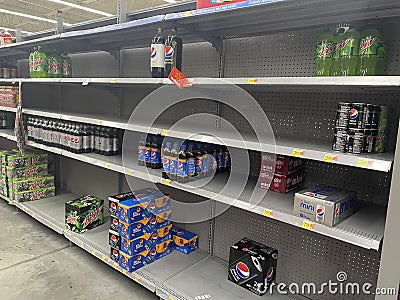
349,47
368,45
93,216
324,49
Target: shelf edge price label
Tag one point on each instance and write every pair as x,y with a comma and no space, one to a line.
107,166
103,258
130,172
329,158
165,132
170,298
99,122
268,213
94,252
252,81
113,80
85,81
167,182
115,266
137,279
297,153
125,272
363,163
308,225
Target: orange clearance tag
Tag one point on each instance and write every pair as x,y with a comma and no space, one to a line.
179,79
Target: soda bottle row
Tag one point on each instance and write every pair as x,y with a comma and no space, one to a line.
165,54
8,70
149,151
49,64
350,53
360,128
74,137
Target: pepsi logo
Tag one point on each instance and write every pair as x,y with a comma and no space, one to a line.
169,51
139,225
270,273
320,212
115,221
154,236
152,206
115,252
124,260
138,209
119,196
179,233
153,52
242,270
337,210
311,194
125,244
245,249
113,238
113,205
153,252
353,114
153,221
123,212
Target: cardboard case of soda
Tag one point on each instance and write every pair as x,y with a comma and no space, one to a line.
325,204
252,265
184,241
84,213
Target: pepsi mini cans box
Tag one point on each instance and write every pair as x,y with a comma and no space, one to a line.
115,200
114,239
325,204
114,254
114,223
184,241
252,265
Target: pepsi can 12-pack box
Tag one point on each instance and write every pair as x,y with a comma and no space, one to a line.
325,204
252,266
184,241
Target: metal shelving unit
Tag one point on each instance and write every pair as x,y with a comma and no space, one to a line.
256,33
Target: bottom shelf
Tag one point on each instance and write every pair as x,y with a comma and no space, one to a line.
175,276
6,199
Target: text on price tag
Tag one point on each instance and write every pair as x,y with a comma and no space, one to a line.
137,279
363,163
164,132
308,225
297,153
268,213
167,182
329,158
252,81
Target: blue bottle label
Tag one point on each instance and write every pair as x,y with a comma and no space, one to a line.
198,167
166,163
191,166
220,160
155,156
173,165
147,154
182,167
141,154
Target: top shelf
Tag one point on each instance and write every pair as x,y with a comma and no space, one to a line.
293,83
229,21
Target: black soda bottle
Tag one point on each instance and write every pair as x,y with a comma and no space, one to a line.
173,52
182,176
147,152
220,160
191,162
173,163
227,160
155,158
102,141
199,161
86,148
115,141
157,55
141,151
92,138
78,139
108,142
166,157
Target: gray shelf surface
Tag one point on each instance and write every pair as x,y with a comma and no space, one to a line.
8,134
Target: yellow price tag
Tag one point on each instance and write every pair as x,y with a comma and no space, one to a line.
330,158
125,272
167,182
297,153
103,258
113,80
115,266
137,279
308,225
268,213
364,163
94,252
188,13
99,122
107,166
252,81
80,244
164,132
130,172
170,298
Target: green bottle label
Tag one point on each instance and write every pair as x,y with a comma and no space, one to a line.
381,49
39,66
336,51
67,70
324,49
369,45
349,47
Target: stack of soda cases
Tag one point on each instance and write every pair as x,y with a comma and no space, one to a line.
9,96
140,228
74,137
26,178
360,128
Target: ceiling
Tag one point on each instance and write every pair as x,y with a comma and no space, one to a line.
48,9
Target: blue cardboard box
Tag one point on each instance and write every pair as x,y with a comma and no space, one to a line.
184,241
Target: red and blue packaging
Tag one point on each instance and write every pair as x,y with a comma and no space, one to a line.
114,239
147,241
184,241
211,3
142,204
115,200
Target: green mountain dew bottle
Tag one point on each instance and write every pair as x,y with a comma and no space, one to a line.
40,60
32,61
54,68
349,52
380,63
323,55
335,66
66,66
368,52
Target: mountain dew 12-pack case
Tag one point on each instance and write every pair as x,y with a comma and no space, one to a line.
84,213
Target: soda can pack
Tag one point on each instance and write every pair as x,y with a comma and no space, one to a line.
325,204
252,266
360,128
184,241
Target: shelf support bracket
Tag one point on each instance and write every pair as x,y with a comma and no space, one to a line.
18,35
215,41
121,11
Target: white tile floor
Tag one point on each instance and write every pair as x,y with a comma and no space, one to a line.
37,263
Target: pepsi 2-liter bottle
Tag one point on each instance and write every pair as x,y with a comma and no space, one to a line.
157,55
173,52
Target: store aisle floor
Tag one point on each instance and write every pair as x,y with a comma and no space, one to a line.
36,263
